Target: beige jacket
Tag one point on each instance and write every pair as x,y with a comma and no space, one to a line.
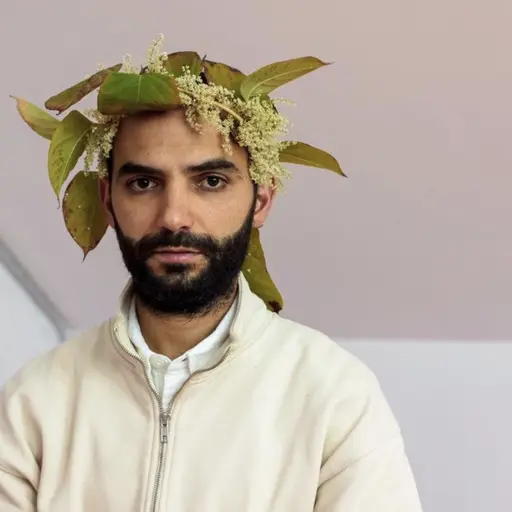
284,421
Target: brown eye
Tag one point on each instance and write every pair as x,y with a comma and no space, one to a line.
212,183
142,184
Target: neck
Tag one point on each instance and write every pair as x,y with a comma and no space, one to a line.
173,335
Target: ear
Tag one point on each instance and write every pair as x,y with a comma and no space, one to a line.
264,199
106,200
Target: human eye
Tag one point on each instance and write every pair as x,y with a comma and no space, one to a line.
141,184
212,182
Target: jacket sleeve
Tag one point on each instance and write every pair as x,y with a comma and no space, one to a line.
365,467
16,493
19,469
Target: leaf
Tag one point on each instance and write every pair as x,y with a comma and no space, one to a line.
40,121
272,76
304,154
68,143
74,94
125,93
256,273
224,75
83,213
175,62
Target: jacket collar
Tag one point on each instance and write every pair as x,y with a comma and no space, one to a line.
251,317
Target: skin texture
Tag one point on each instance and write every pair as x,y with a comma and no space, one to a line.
157,187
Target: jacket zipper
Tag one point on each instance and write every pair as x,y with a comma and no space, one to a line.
164,416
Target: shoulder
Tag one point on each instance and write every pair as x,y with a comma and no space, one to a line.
345,388
323,369
44,373
318,352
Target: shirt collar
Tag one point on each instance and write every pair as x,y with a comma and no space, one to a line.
250,319
203,349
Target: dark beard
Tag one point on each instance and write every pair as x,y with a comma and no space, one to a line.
175,292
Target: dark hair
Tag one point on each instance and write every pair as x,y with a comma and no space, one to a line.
110,165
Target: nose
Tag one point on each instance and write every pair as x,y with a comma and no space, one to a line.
175,211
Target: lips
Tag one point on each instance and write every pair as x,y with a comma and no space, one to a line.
176,255
177,250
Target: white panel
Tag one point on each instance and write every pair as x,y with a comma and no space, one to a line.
26,330
453,402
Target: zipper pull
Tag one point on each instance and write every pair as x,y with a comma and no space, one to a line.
164,421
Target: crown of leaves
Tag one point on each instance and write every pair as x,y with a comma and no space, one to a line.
238,105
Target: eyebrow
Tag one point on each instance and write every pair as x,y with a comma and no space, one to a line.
214,164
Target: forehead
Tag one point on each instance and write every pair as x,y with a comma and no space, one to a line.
166,140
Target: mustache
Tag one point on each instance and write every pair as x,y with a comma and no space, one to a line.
147,245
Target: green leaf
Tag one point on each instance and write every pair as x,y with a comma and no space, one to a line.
256,273
68,143
272,76
125,93
175,62
224,75
40,121
65,99
304,154
83,213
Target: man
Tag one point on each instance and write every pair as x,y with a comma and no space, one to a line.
196,395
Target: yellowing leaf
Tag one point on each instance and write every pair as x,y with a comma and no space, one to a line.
304,154
256,273
68,143
83,213
74,94
40,121
125,93
177,60
224,75
272,76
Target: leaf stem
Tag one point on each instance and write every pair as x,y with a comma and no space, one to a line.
223,107
228,110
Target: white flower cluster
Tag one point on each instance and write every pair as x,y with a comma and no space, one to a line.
254,124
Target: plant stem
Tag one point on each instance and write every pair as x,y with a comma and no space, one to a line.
228,110
223,107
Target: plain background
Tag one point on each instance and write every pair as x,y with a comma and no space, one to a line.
417,107
406,262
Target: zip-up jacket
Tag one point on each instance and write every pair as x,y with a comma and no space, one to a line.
284,420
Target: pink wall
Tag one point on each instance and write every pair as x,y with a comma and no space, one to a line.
417,107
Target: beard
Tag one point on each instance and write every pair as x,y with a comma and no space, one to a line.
179,290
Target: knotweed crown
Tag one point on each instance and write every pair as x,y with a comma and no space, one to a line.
211,93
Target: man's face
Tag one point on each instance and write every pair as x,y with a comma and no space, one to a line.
182,210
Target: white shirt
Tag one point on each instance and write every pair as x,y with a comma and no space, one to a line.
169,375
